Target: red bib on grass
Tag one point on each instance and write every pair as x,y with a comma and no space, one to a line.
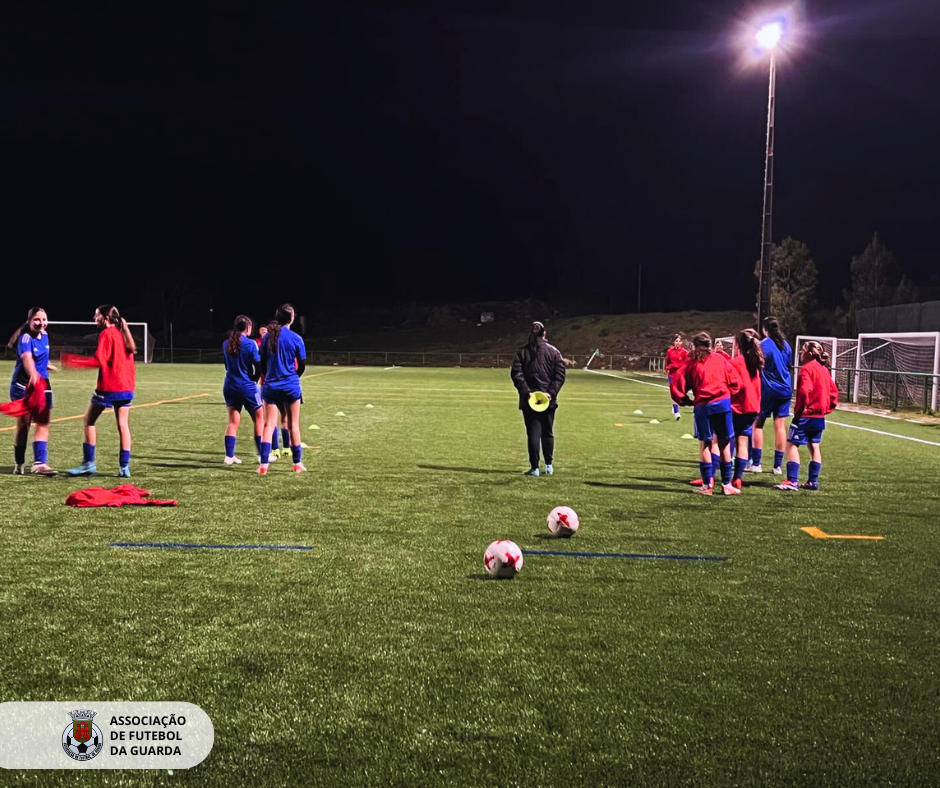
122,495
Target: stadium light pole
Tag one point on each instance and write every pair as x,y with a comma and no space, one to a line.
767,39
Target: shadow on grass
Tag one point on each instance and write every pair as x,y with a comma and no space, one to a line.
188,465
465,470
640,487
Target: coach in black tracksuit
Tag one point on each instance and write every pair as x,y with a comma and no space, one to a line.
539,366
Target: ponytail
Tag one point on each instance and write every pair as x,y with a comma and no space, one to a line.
283,317
701,346
536,335
242,325
815,351
772,329
111,314
749,345
25,326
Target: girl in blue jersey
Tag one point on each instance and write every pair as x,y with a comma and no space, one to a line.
283,360
242,367
31,344
776,393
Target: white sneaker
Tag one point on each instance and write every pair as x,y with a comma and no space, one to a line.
43,469
19,469
273,455
232,461
778,470
729,489
755,469
678,416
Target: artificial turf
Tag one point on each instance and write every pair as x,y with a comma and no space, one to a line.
385,656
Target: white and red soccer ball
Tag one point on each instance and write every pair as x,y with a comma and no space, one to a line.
503,559
563,522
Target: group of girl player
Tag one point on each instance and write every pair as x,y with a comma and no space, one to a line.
733,397
263,377
114,390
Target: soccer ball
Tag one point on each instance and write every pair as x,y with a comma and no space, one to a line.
503,559
563,522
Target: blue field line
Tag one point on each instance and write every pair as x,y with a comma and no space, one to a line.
645,556
182,546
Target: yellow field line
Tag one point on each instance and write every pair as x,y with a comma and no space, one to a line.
142,405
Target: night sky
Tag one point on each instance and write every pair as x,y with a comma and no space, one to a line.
439,151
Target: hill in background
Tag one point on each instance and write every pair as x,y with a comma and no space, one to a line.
640,335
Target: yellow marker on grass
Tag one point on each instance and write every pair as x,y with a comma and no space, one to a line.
818,533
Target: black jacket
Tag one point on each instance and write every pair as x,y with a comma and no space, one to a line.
540,370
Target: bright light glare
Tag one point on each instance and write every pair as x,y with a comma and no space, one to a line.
769,35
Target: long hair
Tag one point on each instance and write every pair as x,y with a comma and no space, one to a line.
536,335
677,340
701,346
111,314
242,326
283,317
749,345
772,327
25,326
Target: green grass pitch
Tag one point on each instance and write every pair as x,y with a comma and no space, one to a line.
385,657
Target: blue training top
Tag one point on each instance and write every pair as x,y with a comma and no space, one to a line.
280,370
775,377
238,368
39,347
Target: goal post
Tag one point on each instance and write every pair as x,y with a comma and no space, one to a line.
82,336
916,353
842,353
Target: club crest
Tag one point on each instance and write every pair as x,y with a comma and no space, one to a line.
82,740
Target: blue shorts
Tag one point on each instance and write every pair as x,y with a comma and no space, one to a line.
281,397
112,399
778,407
806,430
248,398
712,422
743,424
18,392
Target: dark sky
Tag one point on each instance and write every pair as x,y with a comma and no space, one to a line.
452,151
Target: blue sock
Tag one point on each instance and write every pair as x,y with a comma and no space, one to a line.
19,454
675,408
756,455
274,443
778,459
265,452
258,445
285,438
124,457
40,451
716,466
793,472
297,453
750,447
705,468
814,468
739,465
88,452
230,445
725,472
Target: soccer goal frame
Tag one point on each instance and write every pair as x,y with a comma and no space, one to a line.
146,351
840,351
926,338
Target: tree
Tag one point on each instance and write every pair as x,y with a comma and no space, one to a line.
792,285
877,279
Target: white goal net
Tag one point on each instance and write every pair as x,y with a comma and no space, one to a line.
81,336
880,357
842,353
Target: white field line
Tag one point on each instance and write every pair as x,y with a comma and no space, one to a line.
629,380
881,432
